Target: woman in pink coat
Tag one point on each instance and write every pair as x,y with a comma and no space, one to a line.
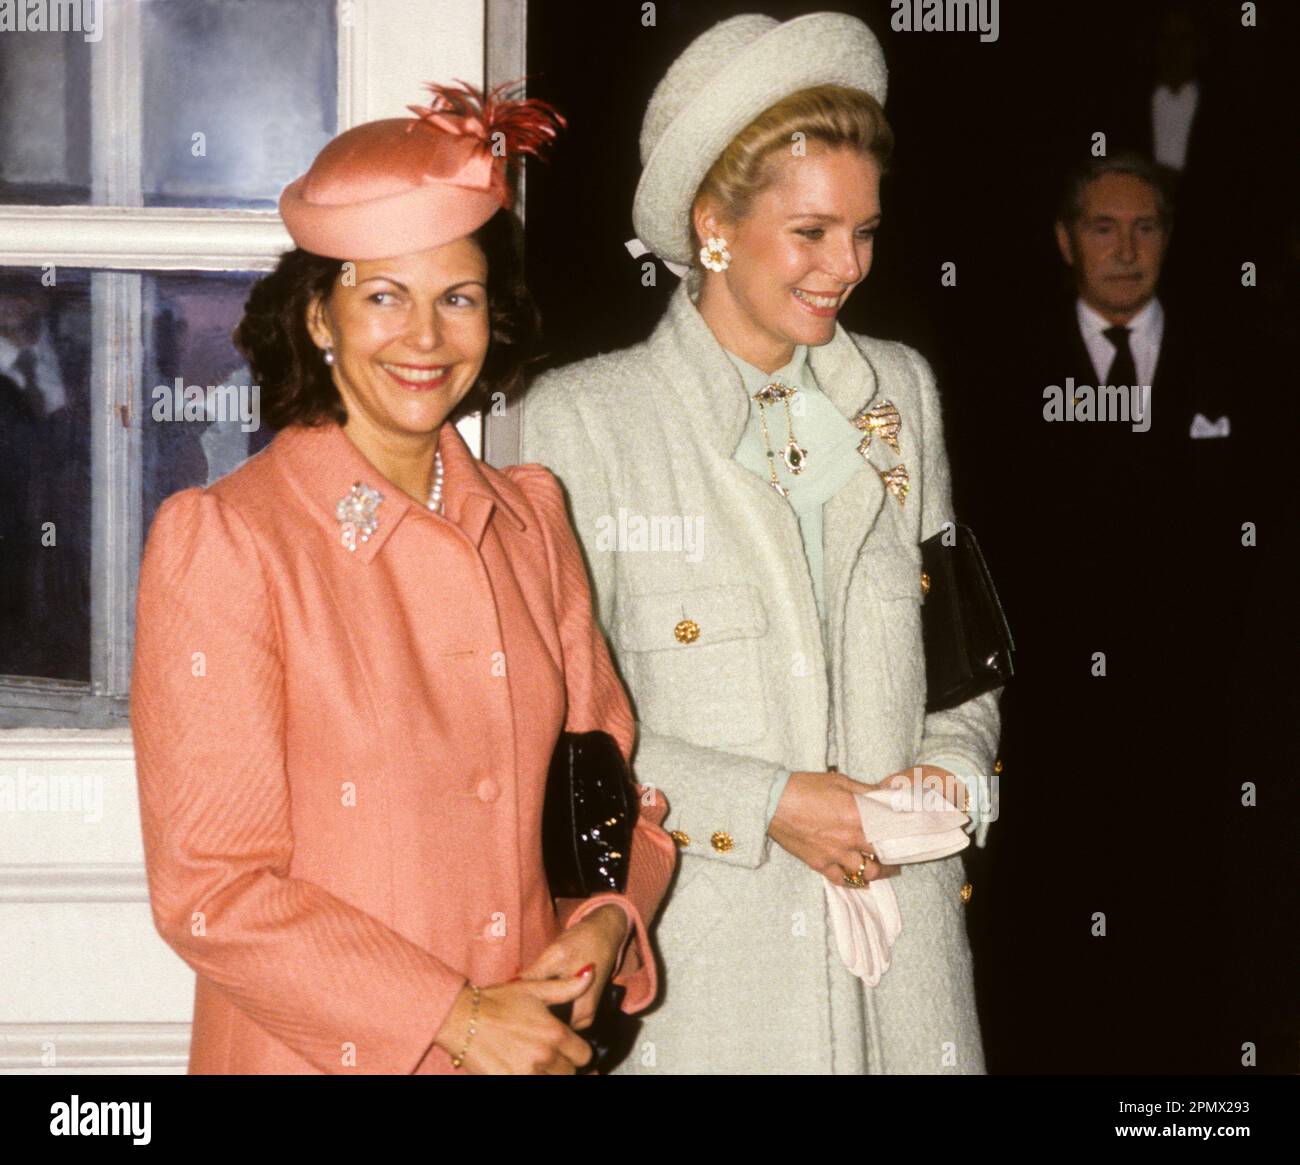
355,654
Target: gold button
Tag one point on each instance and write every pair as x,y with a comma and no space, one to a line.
997,766
687,631
966,891
682,839
925,582
721,841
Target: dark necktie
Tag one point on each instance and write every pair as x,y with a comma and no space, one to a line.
1122,369
25,366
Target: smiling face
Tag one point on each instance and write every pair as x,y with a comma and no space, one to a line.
409,336
1116,246
805,244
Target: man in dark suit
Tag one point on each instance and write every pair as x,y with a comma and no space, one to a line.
44,412
1118,546
1128,419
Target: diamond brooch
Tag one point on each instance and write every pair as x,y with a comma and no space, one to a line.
356,512
896,481
883,420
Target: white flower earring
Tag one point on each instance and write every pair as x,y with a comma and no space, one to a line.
714,254
329,354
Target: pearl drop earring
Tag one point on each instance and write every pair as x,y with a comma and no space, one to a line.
329,354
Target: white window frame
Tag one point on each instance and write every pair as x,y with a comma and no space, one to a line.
386,50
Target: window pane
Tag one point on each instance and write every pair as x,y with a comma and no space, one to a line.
44,118
239,97
45,476
201,415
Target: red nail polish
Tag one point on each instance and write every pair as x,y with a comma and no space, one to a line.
587,970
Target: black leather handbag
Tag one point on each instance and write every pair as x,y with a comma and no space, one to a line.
968,644
588,817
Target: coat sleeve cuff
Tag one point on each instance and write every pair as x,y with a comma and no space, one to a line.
980,810
964,740
717,801
774,798
635,962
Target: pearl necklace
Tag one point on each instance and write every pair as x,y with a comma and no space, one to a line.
435,494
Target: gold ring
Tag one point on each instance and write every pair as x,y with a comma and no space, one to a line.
857,879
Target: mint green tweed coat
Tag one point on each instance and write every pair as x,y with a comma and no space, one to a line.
753,982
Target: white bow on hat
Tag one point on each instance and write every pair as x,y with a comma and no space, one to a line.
636,248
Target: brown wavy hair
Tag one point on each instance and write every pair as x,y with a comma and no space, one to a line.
296,386
833,115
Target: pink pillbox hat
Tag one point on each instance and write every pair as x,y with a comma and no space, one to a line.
406,184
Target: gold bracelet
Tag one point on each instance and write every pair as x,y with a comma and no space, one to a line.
457,1061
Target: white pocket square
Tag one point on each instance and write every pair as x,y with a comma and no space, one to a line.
1202,426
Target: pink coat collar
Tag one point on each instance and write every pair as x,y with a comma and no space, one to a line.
325,466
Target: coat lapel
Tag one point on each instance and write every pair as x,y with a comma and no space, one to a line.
326,466
710,394
710,408
846,376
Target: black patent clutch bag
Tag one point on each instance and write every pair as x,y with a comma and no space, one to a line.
968,644
588,818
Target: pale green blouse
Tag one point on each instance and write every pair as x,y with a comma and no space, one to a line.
830,441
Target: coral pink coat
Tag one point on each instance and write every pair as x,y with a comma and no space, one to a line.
342,754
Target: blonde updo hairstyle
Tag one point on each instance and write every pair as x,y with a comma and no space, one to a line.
832,116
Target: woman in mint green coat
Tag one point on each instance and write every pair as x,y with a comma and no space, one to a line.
751,486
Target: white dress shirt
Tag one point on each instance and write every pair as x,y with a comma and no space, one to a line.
1171,122
1146,330
49,377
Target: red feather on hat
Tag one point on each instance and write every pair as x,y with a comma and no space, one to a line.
527,126
524,126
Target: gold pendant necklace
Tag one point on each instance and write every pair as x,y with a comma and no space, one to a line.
794,455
